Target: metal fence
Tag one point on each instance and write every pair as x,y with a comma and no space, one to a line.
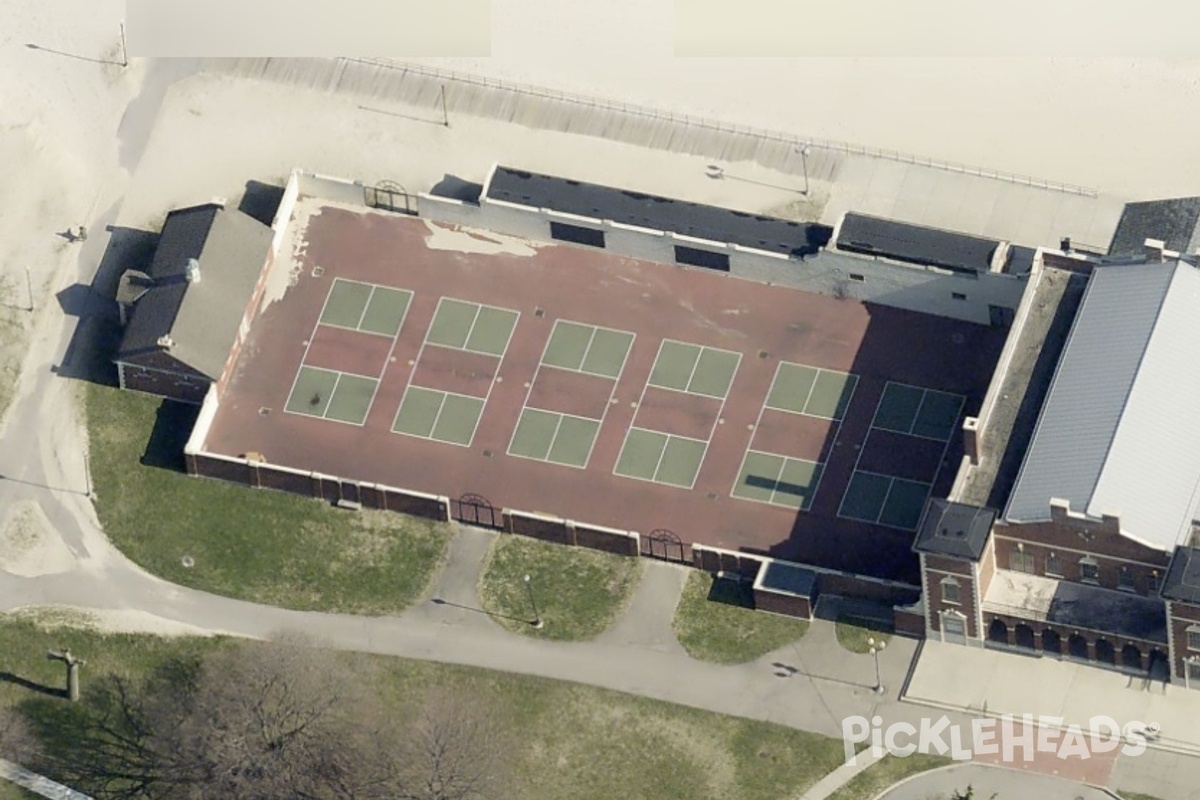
645,112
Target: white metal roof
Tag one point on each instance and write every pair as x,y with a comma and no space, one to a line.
1120,430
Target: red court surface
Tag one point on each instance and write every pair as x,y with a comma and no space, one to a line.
765,324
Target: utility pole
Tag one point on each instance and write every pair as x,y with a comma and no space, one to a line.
124,53
442,95
73,665
87,475
29,288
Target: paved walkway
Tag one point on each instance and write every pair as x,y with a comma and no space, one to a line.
986,781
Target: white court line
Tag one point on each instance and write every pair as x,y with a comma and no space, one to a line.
387,362
332,392
312,335
366,305
495,375
742,468
611,394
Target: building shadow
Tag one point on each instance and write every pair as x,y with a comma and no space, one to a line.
173,423
97,334
455,188
261,201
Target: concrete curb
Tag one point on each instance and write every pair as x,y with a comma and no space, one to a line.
928,772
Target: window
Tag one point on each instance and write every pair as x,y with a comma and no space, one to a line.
1193,673
1089,570
1154,582
958,295
854,276
1193,637
574,233
1125,579
702,258
950,592
1053,567
1020,561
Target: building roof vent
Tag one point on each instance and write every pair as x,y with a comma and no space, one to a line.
193,271
166,341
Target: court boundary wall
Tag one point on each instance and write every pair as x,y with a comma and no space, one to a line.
333,490
549,528
752,567
927,290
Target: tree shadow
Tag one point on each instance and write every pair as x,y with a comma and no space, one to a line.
173,424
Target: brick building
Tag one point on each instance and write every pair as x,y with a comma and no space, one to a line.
185,318
1071,526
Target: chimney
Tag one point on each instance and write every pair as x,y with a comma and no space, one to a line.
166,341
1154,251
1065,244
193,271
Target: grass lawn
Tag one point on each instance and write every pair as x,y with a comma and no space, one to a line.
258,545
853,633
716,621
578,591
566,741
887,771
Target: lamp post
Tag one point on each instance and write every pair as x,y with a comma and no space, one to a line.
804,151
876,648
537,618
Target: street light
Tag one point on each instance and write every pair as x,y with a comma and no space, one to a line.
537,618
876,648
804,151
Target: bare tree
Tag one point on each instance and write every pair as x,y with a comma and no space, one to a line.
455,750
262,722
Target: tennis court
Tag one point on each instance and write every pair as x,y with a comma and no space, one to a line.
555,435
365,307
437,413
475,327
662,456
332,395
917,411
778,480
607,390
817,392
800,390
884,500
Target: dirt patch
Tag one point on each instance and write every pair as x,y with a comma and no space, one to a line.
28,544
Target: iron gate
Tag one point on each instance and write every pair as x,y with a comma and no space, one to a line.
473,509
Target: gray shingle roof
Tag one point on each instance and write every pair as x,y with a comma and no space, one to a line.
1119,433
915,244
660,213
1174,222
1183,577
200,318
954,529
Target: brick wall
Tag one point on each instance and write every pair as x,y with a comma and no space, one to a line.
935,570
622,543
548,529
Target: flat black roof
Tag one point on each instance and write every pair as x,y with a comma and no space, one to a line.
1172,222
660,213
915,244
954,529
1183,576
